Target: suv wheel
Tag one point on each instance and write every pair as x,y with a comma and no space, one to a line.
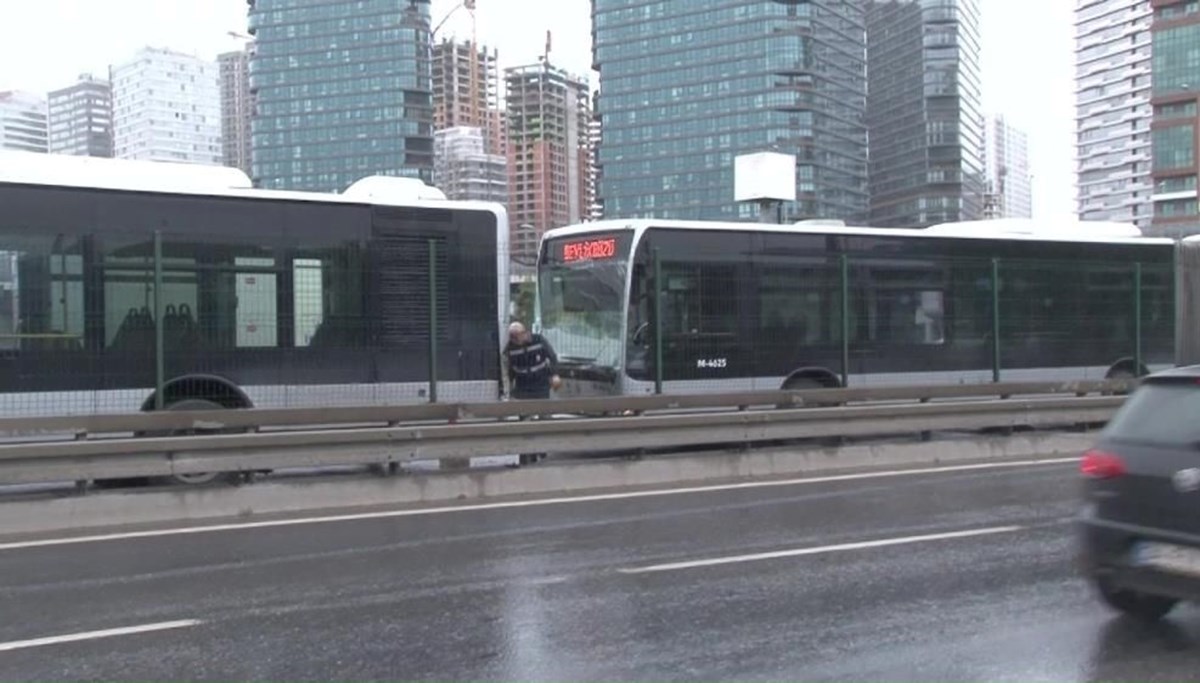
1136,604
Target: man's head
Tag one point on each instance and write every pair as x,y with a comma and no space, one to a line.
517,333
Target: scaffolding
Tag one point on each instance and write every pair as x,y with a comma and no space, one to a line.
549,151
466,90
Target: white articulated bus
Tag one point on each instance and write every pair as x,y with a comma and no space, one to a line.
705,306
111,270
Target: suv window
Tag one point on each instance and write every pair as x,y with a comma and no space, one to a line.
1159,413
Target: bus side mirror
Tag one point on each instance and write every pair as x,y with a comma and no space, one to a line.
639,335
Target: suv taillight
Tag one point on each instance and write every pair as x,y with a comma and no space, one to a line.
1101,465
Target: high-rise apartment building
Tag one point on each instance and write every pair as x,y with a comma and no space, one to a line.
166,107
237,107
466,90
1113,112
924,112
463,169
23,122
1175,132
548,154
80,118
1009,185
596,209
343,90
685,87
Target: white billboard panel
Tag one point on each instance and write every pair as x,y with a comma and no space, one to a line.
765,175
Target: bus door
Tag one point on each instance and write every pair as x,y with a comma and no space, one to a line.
703,322
796,306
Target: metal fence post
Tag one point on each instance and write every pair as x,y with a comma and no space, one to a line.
1137,319
159,346
658,323
433,322
844,263
996,320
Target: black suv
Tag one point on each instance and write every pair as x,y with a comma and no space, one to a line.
1140,527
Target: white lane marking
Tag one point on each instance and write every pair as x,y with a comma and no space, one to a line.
545,581
94,635
819,550
388,514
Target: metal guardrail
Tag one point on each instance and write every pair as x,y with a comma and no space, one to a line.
274,439
88,426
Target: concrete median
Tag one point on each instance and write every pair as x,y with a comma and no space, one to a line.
282,496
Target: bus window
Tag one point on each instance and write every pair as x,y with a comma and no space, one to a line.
912,317
907,306
307,299
794,306
1158,312
328,298
9,316
225,296
41,293
1042,302
640,307
699,299
255,297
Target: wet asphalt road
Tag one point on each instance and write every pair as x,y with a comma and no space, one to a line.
560,592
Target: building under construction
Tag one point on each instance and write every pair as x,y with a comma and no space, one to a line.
549,153
466,90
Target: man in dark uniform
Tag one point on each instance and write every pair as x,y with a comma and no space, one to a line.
528,369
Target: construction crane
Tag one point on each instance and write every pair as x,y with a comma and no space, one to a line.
473,76
468,5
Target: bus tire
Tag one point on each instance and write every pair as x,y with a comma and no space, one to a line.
212,388
199,478
1125,369
809,380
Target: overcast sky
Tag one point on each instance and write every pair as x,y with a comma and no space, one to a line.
1028,54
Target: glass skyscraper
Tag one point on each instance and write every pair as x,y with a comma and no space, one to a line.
924,112
343,90
686,86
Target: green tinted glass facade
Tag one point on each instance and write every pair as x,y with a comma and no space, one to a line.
686,86
1177,59
1174,147
343,91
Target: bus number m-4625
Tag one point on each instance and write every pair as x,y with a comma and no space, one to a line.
712,363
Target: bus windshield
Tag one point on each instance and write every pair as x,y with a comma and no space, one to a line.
581,288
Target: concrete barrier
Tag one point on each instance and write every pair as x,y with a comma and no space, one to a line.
124,508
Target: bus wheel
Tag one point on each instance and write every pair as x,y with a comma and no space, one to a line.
1123,371
197,478
806,384
802,384
812,384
